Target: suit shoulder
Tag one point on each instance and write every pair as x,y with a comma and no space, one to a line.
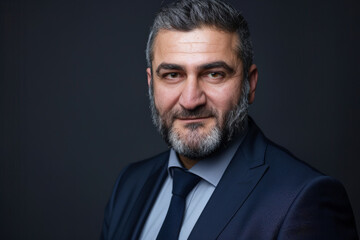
136,171
136,174
283,160
261,150
149,163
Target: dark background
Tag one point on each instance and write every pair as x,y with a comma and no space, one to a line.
74,108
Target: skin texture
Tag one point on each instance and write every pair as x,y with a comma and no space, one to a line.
192,70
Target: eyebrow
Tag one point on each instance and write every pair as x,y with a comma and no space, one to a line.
207,66
168,66
218,64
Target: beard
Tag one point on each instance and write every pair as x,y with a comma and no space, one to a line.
193,144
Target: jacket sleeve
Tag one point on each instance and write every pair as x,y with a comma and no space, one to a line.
320,211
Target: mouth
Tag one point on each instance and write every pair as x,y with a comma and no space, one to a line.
193,119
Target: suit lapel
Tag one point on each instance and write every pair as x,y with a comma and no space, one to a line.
147,199
240,178
144,202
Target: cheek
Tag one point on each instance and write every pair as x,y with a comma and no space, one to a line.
165,98
224,98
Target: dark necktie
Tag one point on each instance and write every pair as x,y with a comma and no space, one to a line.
183,183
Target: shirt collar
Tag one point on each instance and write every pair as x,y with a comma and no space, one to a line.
212,168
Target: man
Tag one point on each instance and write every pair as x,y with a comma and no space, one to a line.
201,79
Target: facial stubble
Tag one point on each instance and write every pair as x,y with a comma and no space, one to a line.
194,144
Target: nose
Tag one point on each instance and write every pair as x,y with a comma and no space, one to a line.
192,95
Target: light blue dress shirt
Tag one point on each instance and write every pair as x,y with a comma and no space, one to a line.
210,170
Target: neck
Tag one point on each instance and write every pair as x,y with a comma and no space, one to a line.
187,162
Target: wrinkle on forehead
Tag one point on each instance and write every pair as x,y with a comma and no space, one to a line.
198,47
196,36
193,47
203,42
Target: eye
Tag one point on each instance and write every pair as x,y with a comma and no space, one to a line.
216,75
172,75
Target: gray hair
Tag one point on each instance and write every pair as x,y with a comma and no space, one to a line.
187,15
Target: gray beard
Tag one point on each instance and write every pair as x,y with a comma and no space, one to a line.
199,146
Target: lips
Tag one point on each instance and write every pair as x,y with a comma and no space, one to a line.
193,119
195,115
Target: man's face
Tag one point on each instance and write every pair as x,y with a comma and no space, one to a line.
196,86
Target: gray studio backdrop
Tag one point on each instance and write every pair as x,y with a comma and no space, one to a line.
74,108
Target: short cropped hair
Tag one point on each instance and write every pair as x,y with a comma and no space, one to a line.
187,15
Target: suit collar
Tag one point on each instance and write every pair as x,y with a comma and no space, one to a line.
147,199
240,178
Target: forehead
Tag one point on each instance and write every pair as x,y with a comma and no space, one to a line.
197,46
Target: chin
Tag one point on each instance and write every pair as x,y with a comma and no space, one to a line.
195,144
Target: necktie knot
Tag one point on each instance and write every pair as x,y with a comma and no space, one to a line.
183,182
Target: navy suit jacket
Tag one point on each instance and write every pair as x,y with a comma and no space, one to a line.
265,193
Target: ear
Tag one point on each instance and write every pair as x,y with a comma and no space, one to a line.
148,72
253,77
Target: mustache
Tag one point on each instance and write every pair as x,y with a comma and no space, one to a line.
199,112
